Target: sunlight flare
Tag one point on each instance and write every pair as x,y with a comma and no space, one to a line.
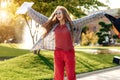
3,4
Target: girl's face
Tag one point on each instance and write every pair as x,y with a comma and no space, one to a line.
59,15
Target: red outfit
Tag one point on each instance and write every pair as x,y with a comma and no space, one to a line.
63,38
64,55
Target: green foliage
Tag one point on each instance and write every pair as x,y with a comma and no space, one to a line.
115,36
105,27
88,38
118,40
11,50
34,67
40,67
98,34
104,32
85,29
46,7
102,24
27,67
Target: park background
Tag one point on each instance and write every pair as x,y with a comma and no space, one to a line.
93,53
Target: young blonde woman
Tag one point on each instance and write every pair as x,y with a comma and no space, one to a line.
64,55
61,35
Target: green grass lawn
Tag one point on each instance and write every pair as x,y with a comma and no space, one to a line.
11,50
28,66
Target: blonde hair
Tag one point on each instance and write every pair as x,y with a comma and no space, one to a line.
53,20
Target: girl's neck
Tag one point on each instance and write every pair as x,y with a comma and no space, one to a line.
62,22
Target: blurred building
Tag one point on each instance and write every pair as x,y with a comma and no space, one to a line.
94,26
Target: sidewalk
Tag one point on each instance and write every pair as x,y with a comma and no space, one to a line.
105,74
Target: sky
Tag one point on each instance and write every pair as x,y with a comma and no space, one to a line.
112,3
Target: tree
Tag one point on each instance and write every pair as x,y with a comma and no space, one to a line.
88,37
75,7
104,33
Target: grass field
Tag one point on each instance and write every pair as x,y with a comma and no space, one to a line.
11,50
27,66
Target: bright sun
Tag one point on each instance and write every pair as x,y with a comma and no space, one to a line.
3,4
3,15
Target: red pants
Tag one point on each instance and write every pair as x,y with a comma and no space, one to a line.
64,59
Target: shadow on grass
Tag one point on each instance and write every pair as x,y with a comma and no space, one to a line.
87,65
5,58
46,61
85,62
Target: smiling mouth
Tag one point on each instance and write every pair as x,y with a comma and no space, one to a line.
59,17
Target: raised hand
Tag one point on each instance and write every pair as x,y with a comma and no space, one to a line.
24,7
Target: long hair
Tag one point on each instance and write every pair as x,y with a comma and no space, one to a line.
53,20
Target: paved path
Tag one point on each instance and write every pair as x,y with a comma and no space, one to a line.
97,51
106,74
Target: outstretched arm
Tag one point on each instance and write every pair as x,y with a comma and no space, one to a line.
87,19
26,7
79,23
38,17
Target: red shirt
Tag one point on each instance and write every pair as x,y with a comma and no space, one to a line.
63,38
